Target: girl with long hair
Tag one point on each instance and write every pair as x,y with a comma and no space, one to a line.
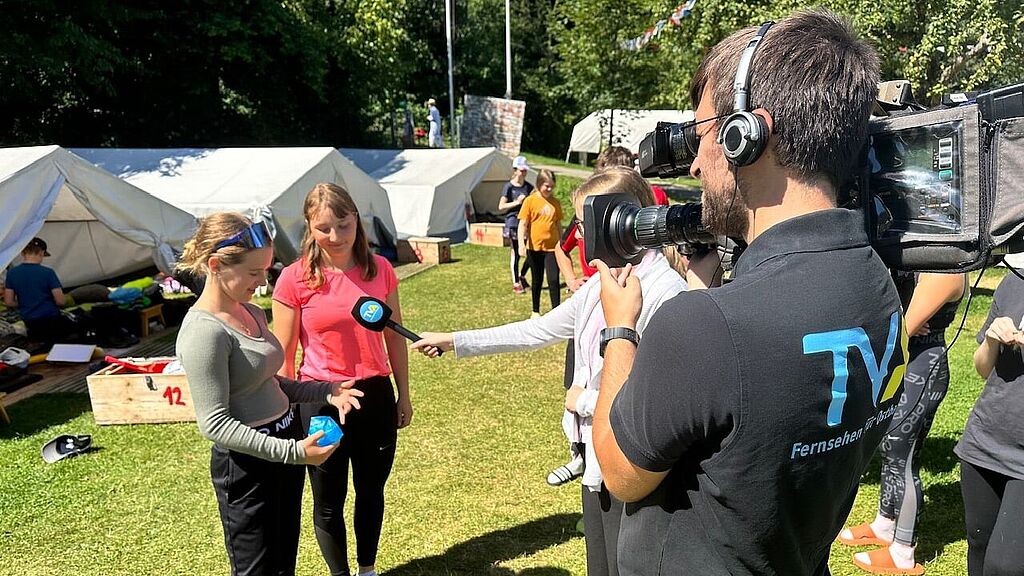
313,299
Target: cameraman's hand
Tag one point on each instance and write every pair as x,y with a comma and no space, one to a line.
317,455
621,297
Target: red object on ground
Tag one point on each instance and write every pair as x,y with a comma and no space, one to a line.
155,367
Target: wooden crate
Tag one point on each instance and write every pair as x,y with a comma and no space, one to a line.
122,397
487,234
425,249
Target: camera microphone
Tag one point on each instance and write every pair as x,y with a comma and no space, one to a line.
375,315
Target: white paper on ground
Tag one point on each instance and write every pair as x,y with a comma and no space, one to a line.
70,353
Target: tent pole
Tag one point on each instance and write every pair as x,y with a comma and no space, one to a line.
451,83
508,50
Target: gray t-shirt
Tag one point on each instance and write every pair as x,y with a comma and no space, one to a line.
235,387
994,435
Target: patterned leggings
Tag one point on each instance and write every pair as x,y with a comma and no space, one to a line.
901,448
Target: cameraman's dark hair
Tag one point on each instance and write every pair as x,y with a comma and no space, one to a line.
613,156
816,78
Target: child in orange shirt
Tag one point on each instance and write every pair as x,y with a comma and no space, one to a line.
540,228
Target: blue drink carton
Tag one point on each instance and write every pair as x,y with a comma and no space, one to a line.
332,432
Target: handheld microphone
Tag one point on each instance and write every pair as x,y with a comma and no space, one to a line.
375,315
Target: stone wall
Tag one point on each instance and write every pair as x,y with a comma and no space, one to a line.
494,122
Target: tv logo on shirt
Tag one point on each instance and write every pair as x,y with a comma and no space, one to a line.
839,343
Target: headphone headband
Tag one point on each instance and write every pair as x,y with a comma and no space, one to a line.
742,83
744,135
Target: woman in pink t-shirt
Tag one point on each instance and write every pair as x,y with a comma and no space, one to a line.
313,300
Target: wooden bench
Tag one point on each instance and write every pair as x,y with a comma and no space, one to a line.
154,312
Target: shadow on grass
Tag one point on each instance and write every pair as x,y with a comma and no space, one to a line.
39,412
982,291
942,520
936,456
481,554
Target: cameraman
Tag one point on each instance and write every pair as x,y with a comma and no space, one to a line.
751,410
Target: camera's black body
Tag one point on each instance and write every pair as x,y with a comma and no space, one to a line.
940,190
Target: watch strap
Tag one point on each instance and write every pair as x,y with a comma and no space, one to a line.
613,332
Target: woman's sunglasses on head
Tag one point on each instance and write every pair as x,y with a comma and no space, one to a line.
256,235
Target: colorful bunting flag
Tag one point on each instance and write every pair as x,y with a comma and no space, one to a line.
681,11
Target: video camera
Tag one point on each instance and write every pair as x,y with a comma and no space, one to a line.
940,190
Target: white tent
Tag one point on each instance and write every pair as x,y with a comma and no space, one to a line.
625,128
95,225
432,191
205,180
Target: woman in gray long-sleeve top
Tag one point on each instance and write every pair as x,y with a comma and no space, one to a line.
231,359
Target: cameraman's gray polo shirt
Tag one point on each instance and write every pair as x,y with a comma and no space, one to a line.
764,399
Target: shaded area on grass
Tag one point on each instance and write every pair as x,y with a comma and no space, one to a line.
480,555
40,412
942,520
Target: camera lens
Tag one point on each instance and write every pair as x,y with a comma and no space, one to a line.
618,230
669,150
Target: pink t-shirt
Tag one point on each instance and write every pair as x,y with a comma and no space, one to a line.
334,346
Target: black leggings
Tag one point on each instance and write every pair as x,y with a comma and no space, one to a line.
260,505
994,514
541,262
369,443
901,448
517,274
602,514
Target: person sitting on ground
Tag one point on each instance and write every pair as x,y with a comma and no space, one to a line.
37,293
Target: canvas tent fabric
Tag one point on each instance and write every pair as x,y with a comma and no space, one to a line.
201,181
95,225
624,128
433,191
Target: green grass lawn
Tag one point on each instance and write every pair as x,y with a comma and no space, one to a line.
467,495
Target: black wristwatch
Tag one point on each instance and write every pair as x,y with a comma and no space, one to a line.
613,332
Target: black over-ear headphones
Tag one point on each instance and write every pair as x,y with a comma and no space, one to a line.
743,134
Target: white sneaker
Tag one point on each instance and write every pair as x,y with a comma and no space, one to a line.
567,472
